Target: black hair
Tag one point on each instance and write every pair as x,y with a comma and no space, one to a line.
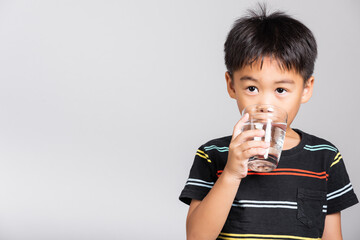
279,36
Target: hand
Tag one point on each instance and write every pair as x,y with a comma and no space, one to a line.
242,147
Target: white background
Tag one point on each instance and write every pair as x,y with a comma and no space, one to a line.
104,103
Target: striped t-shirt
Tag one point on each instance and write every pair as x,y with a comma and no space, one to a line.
290,202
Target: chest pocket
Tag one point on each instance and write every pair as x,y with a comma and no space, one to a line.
311,207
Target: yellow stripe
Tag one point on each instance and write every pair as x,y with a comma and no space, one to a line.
266,235
227,238
203,153
204,157
336,161
337,155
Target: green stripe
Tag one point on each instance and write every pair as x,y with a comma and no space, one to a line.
220,149
318,149
320,146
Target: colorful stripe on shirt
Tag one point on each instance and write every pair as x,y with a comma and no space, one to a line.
202,154
339,192
199,183
220,149
269,204
320,147
294,172
306,147
231,236
337,158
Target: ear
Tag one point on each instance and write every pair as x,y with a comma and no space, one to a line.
308,90
229,84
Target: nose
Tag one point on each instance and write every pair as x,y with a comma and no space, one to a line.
266,98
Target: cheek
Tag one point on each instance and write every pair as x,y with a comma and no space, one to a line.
292,112
243,102
241,106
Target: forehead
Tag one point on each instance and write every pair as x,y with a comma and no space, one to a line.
268,69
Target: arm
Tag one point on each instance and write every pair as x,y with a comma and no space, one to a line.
206,218
332,229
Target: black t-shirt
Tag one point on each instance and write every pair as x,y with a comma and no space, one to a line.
290,202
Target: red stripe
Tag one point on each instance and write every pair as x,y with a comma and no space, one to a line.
281,171
301,170
285,173
298,170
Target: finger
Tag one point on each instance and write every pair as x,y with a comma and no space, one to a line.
253,152
254,144
239,125
240,149
251,134
248,135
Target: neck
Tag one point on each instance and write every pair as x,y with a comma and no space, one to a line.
292,139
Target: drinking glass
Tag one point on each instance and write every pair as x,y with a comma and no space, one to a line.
273,120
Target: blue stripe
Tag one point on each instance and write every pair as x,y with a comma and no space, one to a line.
199,180
264,206
320,146
340,194
266,202
339,190
198,184
318,149
220,149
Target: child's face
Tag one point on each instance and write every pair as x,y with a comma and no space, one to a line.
269,85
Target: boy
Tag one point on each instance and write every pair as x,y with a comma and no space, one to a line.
270,60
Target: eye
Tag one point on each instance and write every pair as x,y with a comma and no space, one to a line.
280,90
252,89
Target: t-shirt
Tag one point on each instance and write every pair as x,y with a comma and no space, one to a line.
290,202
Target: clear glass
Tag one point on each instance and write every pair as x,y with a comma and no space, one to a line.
273,120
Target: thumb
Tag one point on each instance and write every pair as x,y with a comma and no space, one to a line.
239,125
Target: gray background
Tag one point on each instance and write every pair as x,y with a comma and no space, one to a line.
104,103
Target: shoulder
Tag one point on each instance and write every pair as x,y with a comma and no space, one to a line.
216,152
312,142
320,152
217,143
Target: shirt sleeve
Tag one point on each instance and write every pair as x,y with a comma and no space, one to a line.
201,178
340,192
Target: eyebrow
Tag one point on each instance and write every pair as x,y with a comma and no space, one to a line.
249,78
